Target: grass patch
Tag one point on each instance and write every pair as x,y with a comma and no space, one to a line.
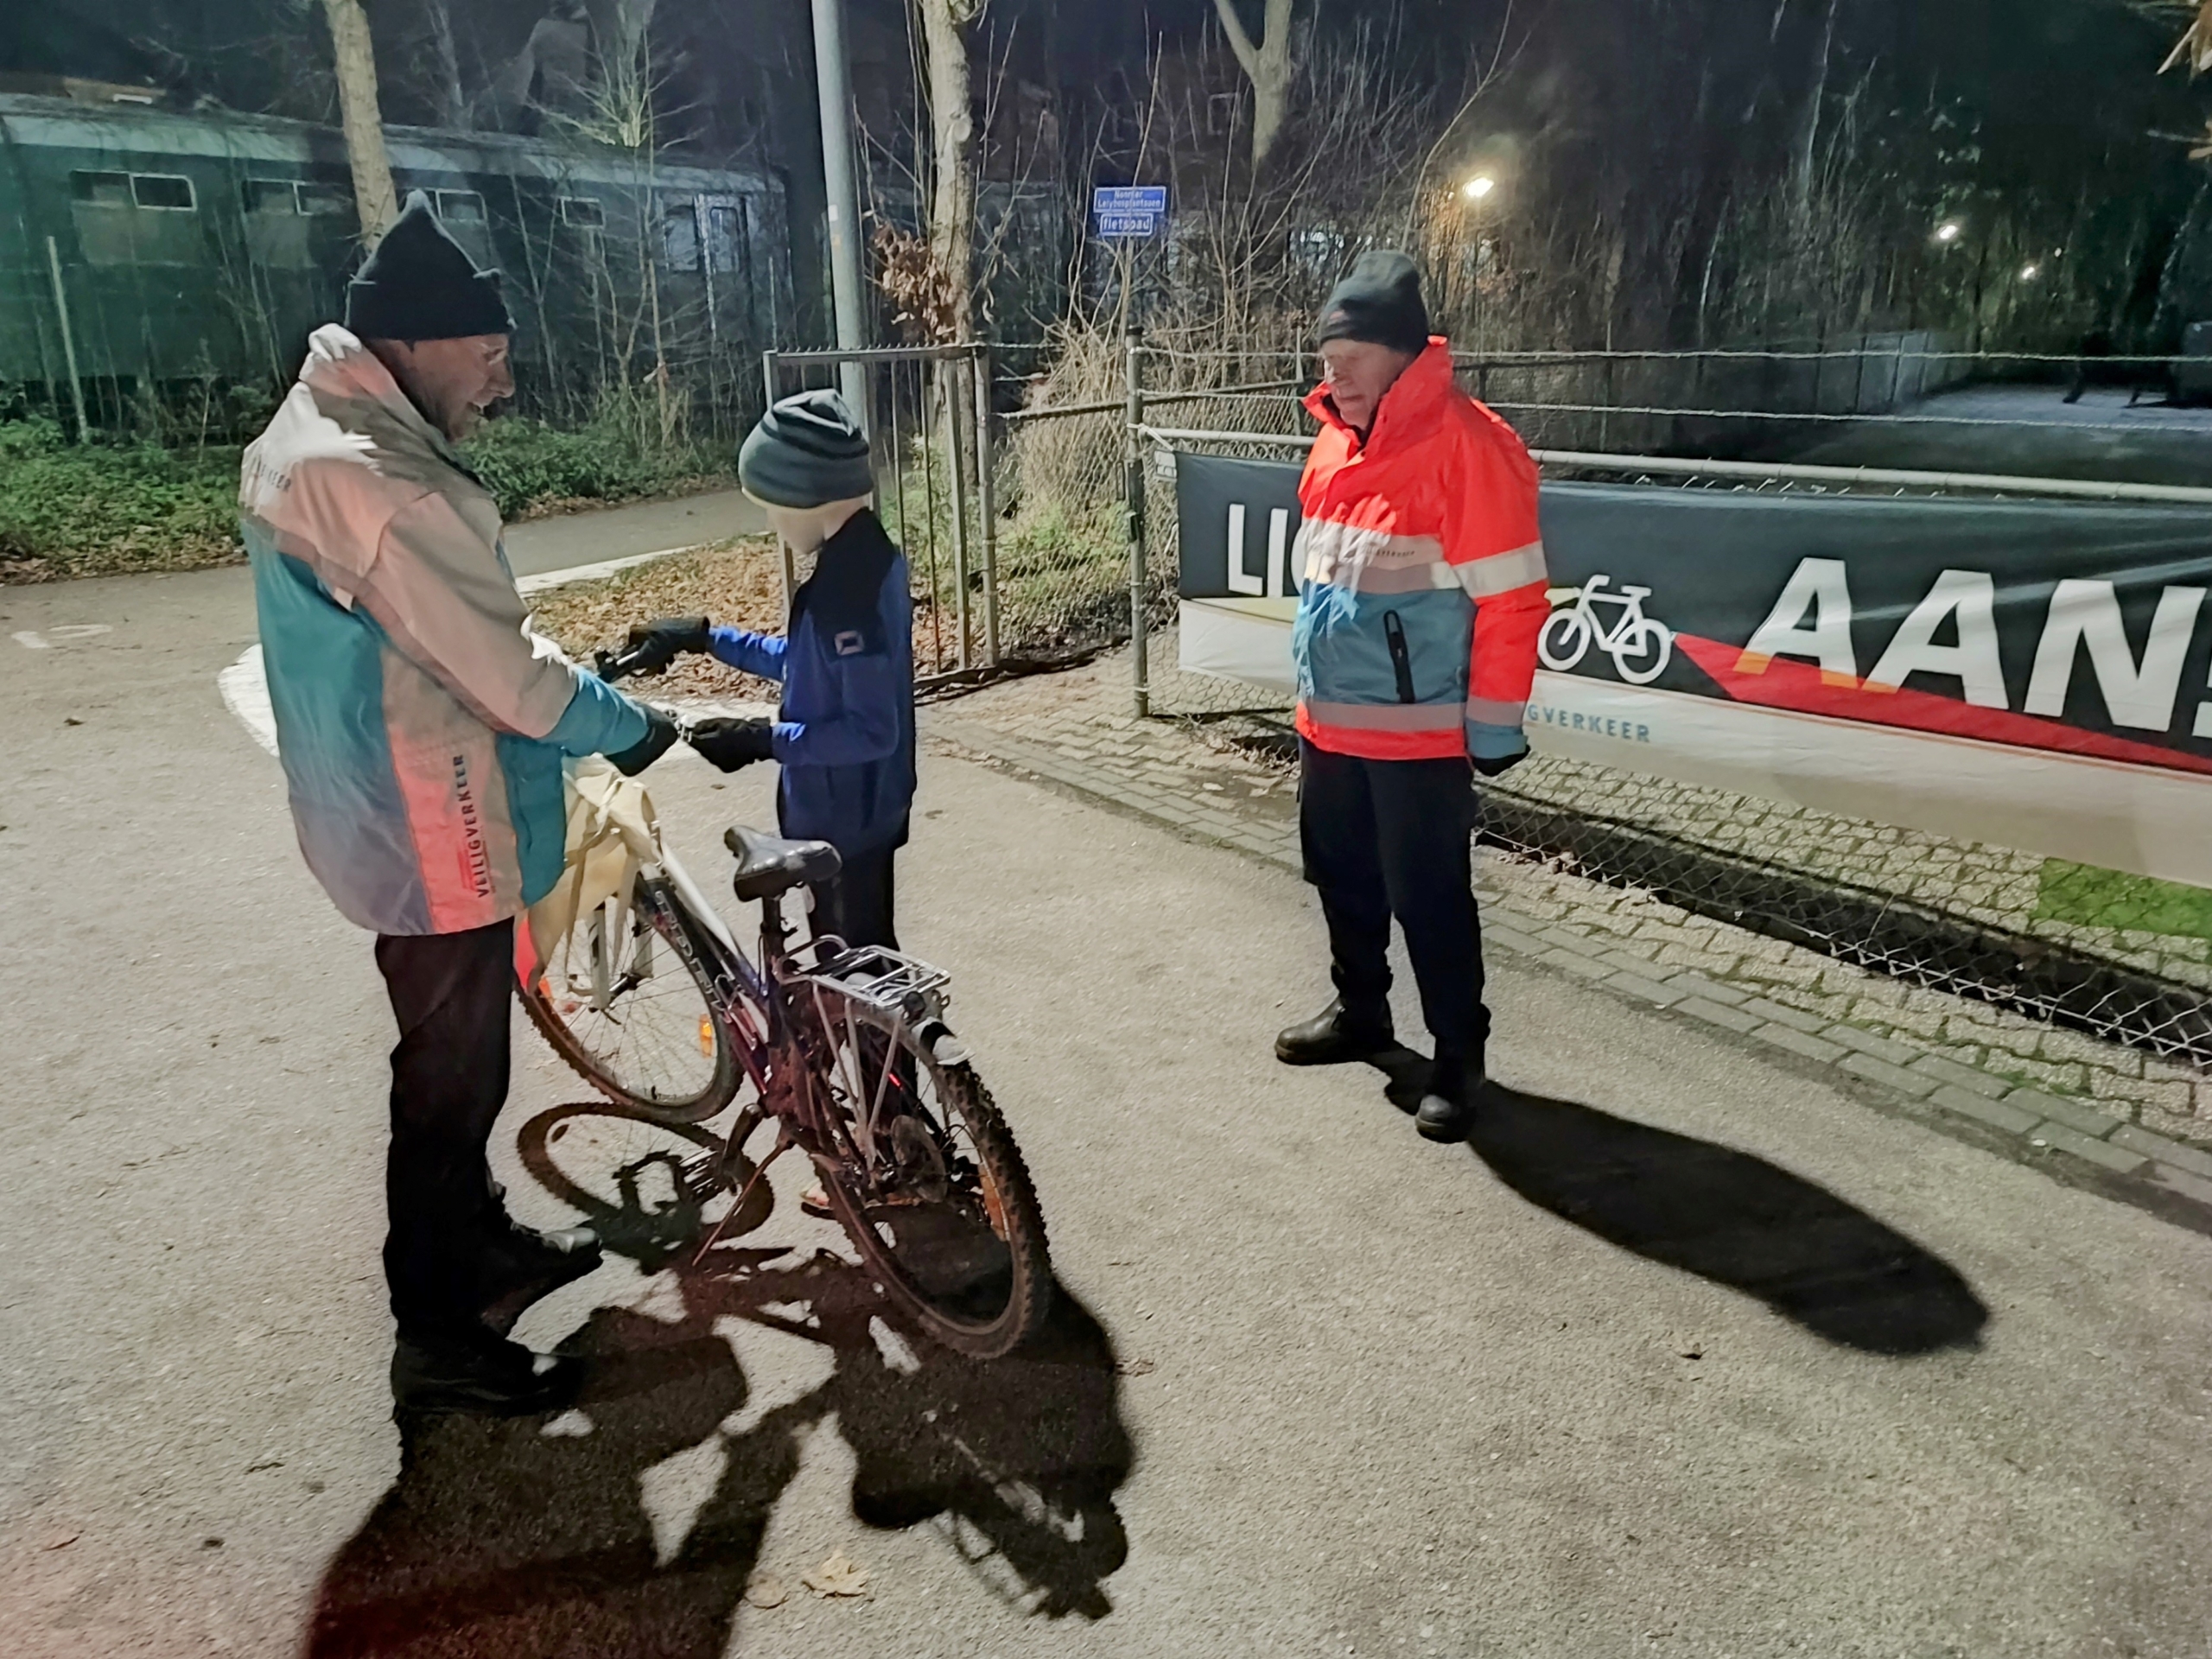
103,509
70,510
2089,897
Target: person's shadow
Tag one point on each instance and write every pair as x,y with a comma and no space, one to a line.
1723,1215
528,1538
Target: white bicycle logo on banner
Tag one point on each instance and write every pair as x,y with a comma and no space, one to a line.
1640,646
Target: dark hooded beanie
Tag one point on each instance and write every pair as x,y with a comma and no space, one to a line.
421,284
1379,301
807,451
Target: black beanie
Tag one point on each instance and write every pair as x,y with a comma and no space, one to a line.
807,451
421,284
1379,301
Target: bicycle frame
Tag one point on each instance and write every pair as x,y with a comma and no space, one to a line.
902,988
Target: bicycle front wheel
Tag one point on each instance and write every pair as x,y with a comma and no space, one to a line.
626,1000
932,1188
648,1188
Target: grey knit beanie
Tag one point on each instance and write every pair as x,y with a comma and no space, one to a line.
807,451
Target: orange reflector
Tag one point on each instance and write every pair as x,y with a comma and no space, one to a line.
707,1038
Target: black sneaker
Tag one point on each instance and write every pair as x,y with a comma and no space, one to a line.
522,1266
1448,1109
490,1377
1331,1037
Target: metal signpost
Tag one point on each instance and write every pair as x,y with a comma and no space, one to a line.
1129,213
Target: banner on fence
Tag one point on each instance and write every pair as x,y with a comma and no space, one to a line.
2033,674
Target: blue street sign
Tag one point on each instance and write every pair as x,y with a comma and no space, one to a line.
1128,212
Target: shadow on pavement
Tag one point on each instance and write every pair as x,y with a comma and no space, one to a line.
512,1539
1732,1219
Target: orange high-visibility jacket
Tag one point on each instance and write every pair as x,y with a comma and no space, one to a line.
1423,577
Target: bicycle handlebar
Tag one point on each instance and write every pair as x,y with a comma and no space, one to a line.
618,664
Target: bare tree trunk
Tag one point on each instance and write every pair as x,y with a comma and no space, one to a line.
1809,130
445,63
356,60
1268,66
953,132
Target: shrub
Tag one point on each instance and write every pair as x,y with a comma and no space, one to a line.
68,510
621,454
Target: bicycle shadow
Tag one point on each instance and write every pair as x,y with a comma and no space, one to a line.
512,1539
1732,1219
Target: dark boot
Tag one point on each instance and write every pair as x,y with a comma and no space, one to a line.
1448,1109
1333,1036
479,1373
523,1266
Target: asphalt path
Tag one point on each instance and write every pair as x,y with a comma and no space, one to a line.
540,545
1691,1353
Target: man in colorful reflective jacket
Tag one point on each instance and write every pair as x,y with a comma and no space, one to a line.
1422,593
422,723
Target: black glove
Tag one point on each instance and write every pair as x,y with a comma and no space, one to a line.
1498,765
660,733
730,744
654,646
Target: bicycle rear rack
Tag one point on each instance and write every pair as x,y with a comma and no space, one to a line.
895,983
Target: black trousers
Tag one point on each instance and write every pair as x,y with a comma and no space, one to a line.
452,995
857,906
1385,838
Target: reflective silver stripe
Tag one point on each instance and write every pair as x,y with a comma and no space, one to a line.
1502,572
1368,561
1388,716
1483,712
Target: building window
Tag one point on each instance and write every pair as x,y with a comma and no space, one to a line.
1223,111
583,212
726,236
101,189
165,191
461,207
271,196
680,236
332,199
137,219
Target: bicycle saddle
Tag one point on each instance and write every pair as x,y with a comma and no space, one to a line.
767,865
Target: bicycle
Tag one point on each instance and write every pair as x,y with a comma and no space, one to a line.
846,1049
1630,639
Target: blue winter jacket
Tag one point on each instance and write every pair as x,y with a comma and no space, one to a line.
845,733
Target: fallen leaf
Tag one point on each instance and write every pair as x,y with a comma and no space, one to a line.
766,1589
63,1540
837,1577
1134,1368
71,719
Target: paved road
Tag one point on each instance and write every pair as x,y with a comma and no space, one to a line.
579,538
1691,1354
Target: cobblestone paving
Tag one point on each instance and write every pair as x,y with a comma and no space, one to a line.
2057,1091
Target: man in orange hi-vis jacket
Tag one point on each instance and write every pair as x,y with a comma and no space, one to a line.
1422,595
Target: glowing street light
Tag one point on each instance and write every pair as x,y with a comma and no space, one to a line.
1478,187
2030,271
1950,232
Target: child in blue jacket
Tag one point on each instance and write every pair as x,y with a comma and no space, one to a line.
844,735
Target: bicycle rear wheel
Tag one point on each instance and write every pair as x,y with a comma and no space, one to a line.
628,1002
930,1188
